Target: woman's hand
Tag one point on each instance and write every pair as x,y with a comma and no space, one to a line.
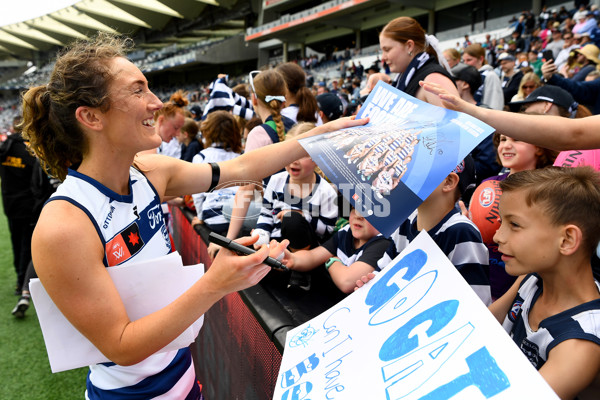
213,249
549,69
336,125
230,273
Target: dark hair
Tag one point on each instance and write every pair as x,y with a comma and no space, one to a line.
566,195
295,79
403,29
221,127
81,77
271,83
190,127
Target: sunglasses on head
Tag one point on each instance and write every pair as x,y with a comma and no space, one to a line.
251,76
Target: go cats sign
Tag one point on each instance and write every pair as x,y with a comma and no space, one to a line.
416,331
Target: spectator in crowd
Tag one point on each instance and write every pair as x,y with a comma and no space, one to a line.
301,105
568,45
535,62
188,138
511,77
167,123
298,204
350,253
196,111
557,43
587,57
268,96
585,24
222,97
16,167
413,54
452,57
490,92
515,156
330,107
528,84
95,116
548,234
453,232
587,93
550,100
223,140
468,80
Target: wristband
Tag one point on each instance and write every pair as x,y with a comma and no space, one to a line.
330,262
216,175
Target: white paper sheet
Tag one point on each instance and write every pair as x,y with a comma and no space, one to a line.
145,287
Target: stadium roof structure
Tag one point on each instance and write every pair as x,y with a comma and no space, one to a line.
86,17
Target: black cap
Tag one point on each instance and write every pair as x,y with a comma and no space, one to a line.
467,73
466,174
196,110
553,94
331,105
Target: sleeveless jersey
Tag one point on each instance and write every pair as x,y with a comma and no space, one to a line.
131,228
579,322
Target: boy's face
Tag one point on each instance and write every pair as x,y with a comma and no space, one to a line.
527,239
360,227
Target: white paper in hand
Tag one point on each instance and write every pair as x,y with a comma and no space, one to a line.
145,287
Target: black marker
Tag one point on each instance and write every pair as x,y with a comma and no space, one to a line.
243,250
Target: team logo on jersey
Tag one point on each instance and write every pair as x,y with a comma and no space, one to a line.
125,245
515,310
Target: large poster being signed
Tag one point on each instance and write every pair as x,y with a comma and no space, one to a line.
389,166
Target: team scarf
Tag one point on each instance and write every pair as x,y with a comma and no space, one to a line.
415,64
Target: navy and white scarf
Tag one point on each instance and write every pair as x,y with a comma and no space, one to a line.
415,64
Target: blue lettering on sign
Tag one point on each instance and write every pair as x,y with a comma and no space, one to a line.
483,373
405,299
380,293
401,343
293,375
410,372
297,392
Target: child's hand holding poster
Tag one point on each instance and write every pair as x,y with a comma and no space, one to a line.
416,331
398,158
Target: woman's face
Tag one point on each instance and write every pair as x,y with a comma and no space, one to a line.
528,87
517,155
169,127
395,54
132,107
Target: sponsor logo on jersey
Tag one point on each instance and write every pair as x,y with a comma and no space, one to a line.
124,246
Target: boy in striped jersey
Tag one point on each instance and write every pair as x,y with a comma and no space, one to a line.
454,233
550,228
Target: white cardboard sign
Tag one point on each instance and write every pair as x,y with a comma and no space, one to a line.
416,331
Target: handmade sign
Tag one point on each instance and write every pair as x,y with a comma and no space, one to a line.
416,331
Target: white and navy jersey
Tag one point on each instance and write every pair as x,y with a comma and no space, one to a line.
342,245
580,322
171,149
319,208
209,206
223,98
460,241
131,228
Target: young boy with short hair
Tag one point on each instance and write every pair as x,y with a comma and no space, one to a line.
453,232
550,229
350,253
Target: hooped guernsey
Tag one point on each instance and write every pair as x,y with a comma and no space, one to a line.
131,228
